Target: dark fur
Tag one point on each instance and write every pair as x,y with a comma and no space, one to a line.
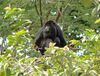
50,32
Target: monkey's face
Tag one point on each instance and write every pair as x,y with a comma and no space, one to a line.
47,32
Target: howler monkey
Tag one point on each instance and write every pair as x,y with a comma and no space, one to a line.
50,32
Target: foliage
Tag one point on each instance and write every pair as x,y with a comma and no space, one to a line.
57,61
21,19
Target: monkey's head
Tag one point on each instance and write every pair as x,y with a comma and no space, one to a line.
49,30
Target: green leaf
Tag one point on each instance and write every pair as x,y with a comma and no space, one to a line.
86,3
2,73
20,33
8,72
74,41
97,21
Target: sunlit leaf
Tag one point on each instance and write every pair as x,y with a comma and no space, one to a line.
97,21
20,33
7,8
74,41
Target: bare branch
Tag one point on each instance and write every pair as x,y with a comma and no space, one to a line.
41,18
36,7
59,13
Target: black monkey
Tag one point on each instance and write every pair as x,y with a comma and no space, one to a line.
50,32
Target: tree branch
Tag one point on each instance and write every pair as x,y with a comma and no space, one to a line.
59,13
36,7
41,19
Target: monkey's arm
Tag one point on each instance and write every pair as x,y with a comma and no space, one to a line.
61,37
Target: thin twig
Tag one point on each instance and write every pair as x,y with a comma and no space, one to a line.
61,10
59,14
36,7
41,20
